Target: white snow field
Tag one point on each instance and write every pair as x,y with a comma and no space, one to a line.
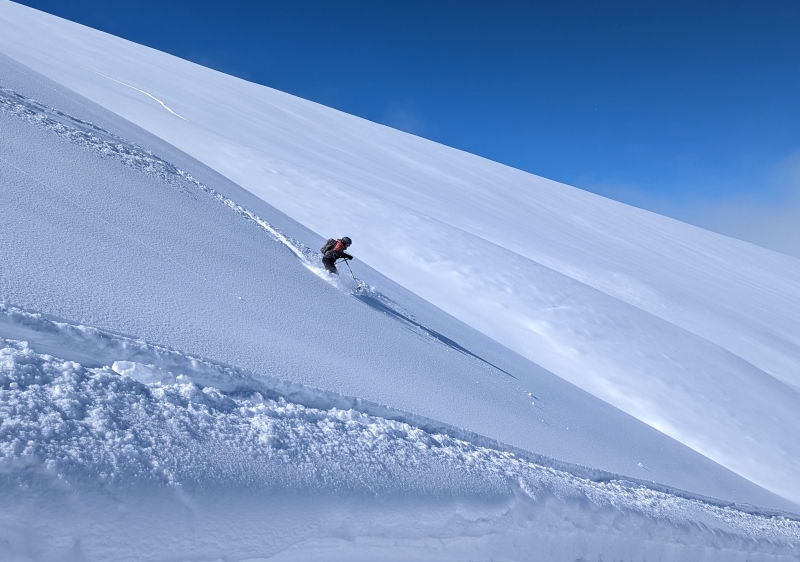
179,380
696,334
260,409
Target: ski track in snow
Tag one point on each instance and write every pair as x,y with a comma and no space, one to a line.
163,418
95,138
148,94
138,90
108,145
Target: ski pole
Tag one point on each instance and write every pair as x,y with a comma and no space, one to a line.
348,267
351,271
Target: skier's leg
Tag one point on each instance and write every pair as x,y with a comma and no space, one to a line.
329,265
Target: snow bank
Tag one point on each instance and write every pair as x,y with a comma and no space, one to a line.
174,456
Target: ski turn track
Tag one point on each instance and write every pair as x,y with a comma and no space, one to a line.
108,145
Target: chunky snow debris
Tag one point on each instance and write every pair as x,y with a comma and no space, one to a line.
177,422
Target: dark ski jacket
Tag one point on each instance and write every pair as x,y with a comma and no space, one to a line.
334,250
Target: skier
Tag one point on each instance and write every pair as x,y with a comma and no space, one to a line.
333,250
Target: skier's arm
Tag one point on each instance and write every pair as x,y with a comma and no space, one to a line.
346,256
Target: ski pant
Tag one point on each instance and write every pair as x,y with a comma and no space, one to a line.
330,265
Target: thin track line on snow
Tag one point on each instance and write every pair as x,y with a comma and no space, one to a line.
148,94
134,88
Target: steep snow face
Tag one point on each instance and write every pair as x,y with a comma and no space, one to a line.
694,333
284,414
177,456
106,225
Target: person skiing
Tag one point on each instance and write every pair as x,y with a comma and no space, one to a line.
333,250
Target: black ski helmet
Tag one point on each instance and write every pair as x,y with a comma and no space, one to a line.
346,240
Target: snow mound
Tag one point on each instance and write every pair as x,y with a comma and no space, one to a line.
184,440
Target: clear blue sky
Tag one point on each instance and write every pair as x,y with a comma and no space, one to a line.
688,108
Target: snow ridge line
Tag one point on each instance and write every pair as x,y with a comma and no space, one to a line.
109,145
148,94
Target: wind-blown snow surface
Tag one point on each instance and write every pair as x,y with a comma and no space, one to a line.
696,334
115,448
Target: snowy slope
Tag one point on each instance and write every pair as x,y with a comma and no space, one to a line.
695,334
116,448
256,408
143,245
